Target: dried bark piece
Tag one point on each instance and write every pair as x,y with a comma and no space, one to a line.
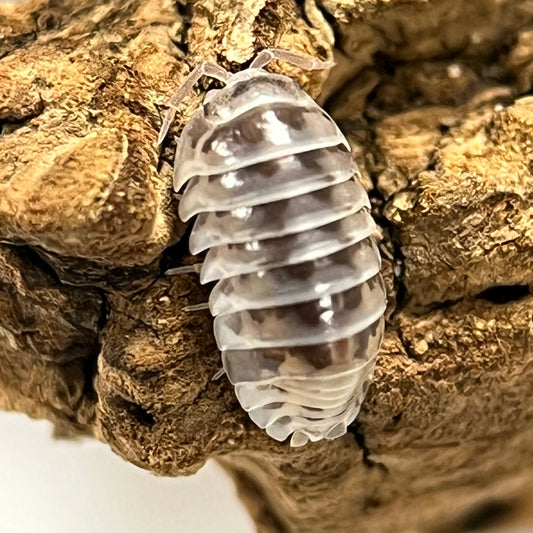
431,96
48,343
158,407
78,165
461,243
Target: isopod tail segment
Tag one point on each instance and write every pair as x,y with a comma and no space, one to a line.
219,73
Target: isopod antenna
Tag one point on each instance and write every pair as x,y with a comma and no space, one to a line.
203,69
304,62
221,74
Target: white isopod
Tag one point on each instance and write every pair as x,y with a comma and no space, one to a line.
299,300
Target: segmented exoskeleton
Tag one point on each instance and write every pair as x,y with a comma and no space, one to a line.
299,299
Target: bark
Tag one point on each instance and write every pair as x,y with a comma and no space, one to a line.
433,96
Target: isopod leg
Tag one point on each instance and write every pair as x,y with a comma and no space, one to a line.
304,62
186,269
203,69
218,374
197,307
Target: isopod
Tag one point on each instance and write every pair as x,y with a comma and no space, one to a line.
299,300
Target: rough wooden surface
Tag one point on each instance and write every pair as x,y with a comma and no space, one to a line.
433,96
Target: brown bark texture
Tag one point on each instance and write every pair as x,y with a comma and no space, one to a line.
434,97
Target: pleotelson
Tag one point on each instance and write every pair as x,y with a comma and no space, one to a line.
299,299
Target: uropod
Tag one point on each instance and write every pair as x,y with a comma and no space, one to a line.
299,301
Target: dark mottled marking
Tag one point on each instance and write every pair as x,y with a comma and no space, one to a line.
293,117
319,356
249,128
486,514
311,163
300,271
268,168
502,294
309,312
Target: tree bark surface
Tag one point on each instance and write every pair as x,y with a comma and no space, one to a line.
433,95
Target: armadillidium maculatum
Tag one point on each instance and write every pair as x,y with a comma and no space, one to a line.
299,300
